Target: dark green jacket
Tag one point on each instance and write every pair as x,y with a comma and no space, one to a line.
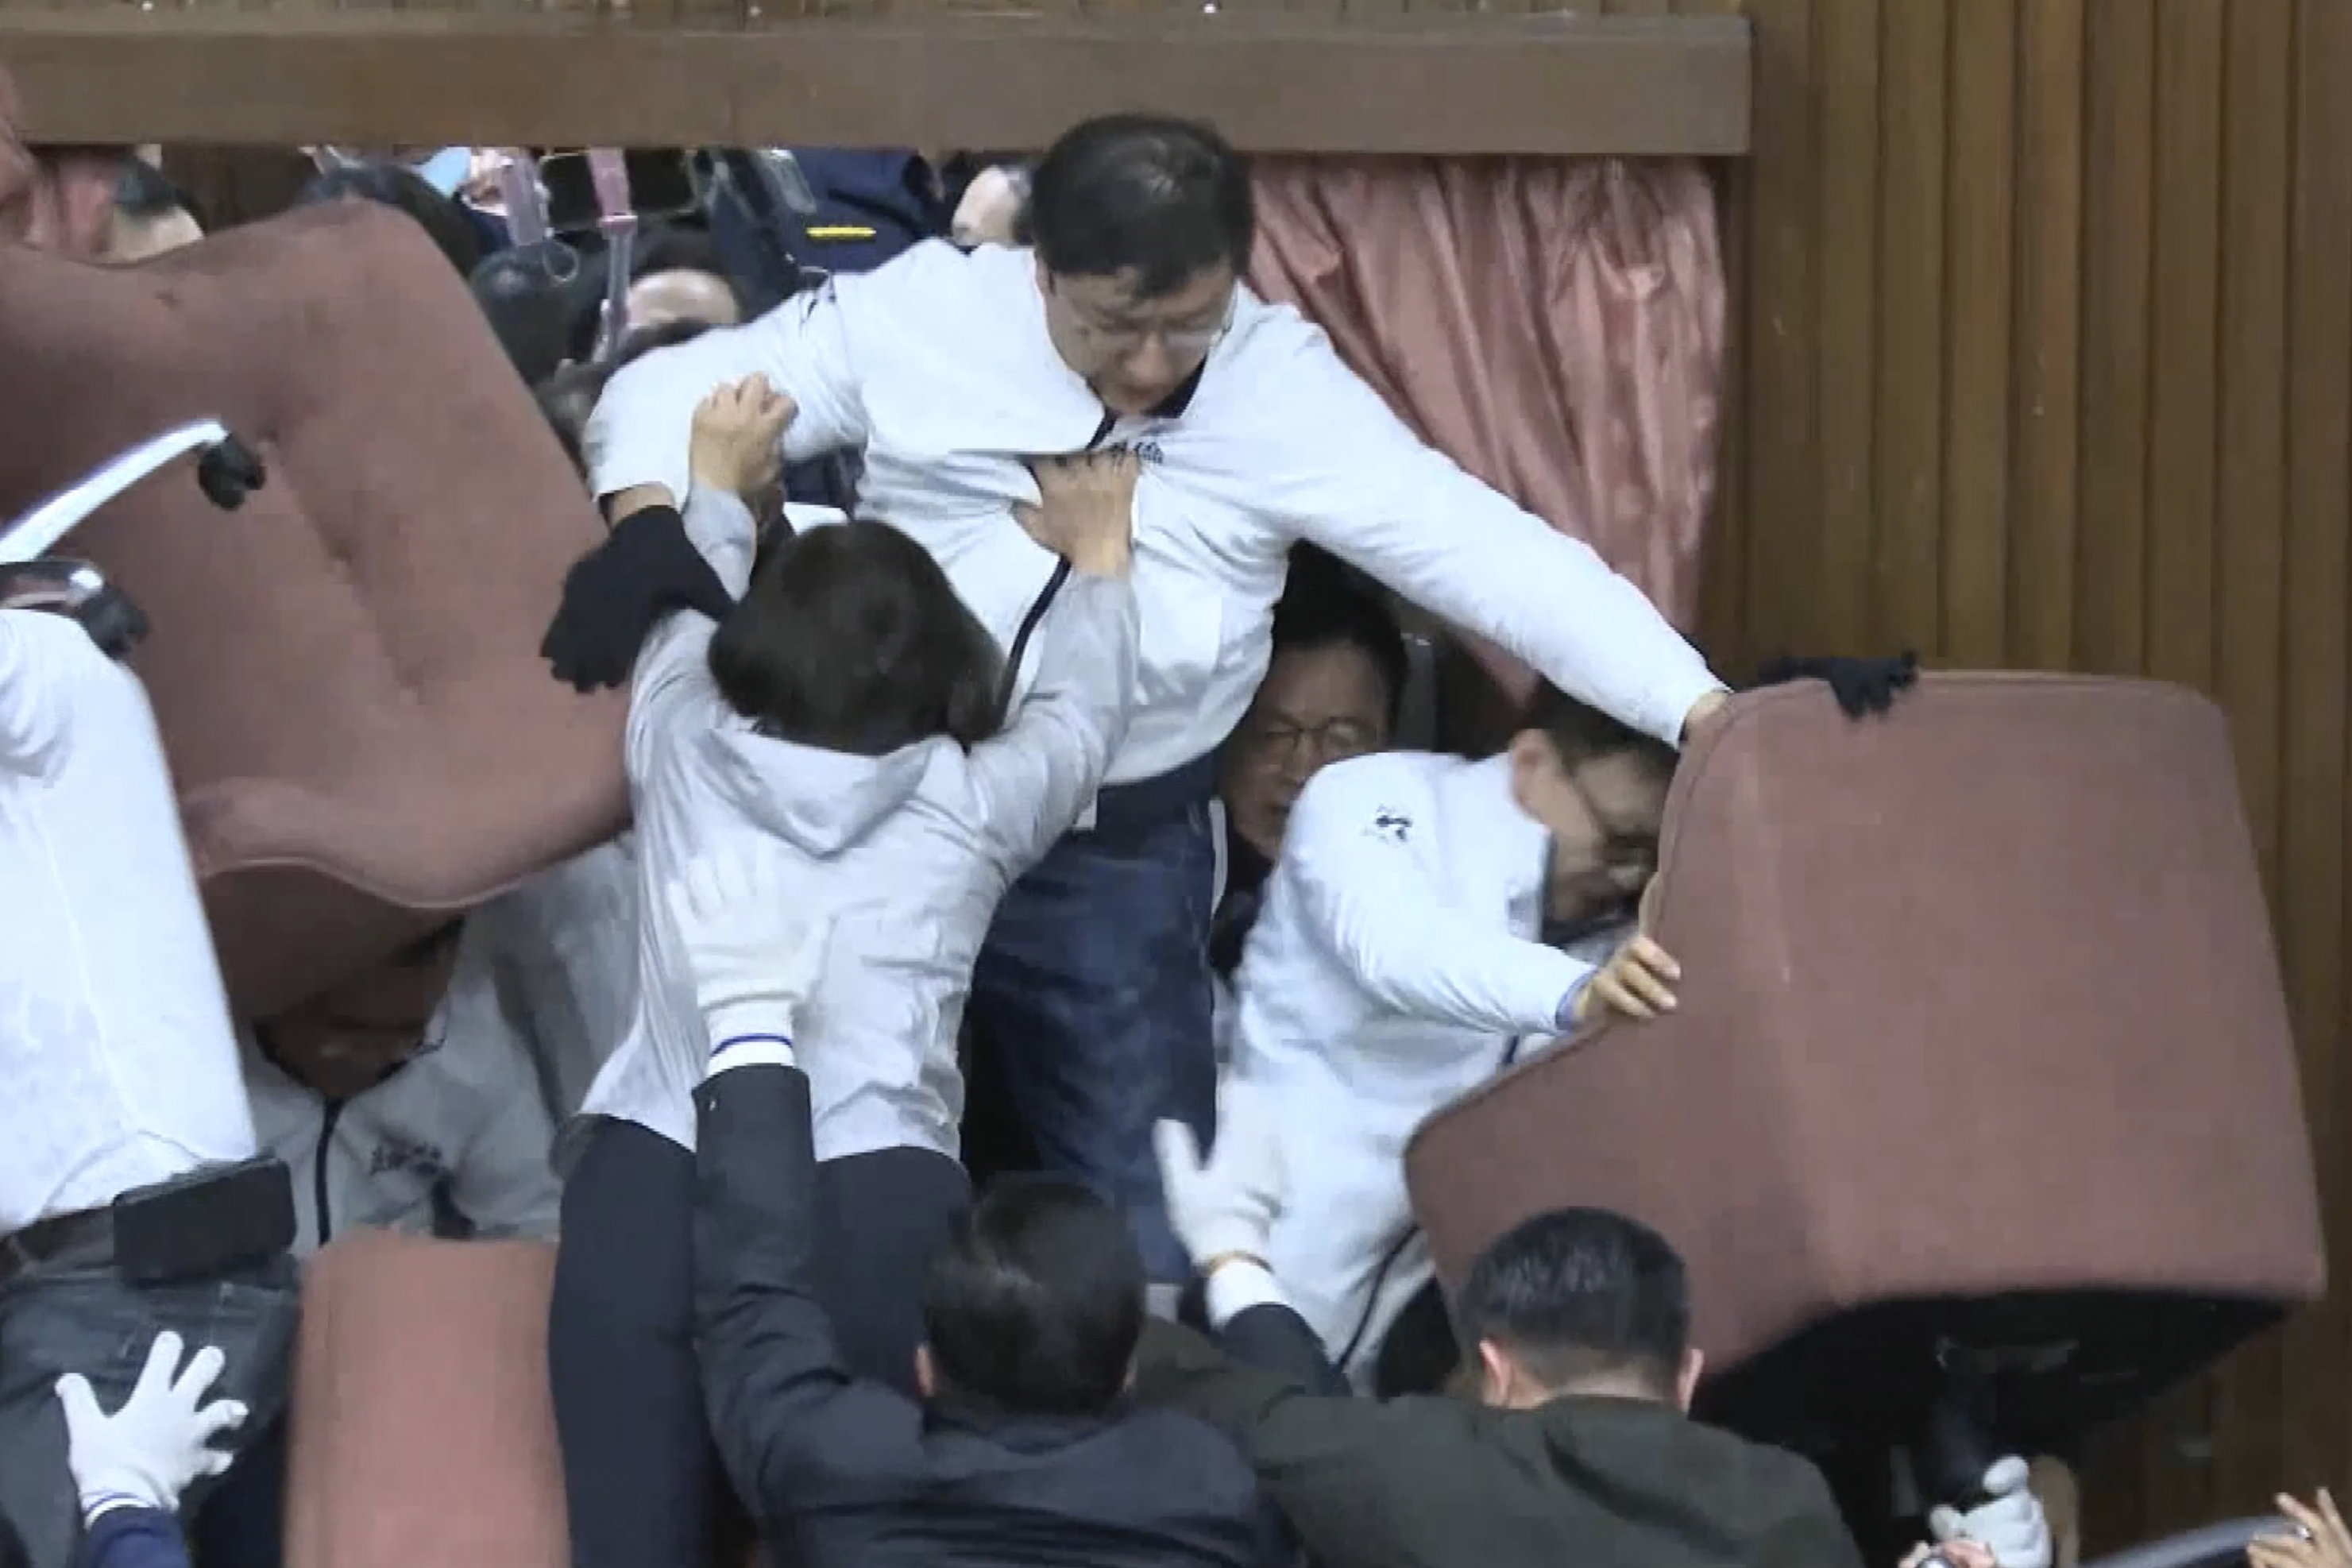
1581,1482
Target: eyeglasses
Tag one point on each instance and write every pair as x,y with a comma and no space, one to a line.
1273,742
1126,337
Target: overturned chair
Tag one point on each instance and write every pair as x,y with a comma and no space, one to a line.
345,668
1980,1120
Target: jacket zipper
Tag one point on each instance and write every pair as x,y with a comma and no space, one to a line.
319,1167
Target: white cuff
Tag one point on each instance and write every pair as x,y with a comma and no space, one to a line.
742,1047
93,1504
1236,1288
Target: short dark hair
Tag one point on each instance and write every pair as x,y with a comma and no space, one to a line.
531,299
1581,1293
1580,732
1325,602
852,639
1164,198
1033,1303
403,190
144,192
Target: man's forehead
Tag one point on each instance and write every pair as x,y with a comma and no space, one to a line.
1204,293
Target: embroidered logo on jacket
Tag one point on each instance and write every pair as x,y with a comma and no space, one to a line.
1392,825
410,1156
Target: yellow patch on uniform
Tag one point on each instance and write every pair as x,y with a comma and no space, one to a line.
841,231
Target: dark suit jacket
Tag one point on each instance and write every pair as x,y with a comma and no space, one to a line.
134,1538
1441,1483
856,1473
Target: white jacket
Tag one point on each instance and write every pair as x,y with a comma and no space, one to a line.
937,365
460,1126
117,1064
1391,969
565,949
906,855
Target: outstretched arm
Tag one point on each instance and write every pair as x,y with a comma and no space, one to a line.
1368,489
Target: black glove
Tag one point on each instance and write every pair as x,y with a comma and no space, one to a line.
1859,685
619,591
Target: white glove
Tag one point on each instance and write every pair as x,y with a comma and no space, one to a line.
2012,1525
1227,1204
753,956
150,1451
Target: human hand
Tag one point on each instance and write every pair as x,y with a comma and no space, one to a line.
1702,713
1951,1554
1862,686
990,212
2323,1541
753,956
1223,1207
2010,1523
159,1443
736,441
1638,982
1086,510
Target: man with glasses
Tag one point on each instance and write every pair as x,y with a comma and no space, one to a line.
1124,325
1430,916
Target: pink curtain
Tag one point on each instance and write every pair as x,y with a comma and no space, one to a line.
1555,326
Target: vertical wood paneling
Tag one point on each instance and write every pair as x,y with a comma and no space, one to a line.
2044,312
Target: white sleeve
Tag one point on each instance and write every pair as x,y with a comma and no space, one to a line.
638,433
1367,488
1367,898
1037,776
722,527
37,653
505,1180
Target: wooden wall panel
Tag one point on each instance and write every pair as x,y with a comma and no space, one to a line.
2044,360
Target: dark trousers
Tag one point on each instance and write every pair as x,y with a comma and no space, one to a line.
54,1320
243,1524
1094,992
641,1476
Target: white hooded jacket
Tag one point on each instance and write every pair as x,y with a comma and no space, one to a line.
906,854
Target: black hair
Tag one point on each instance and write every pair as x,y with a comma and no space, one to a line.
531,296
145,193
680,248
1164,198
431,947
1325,602
1580,734
403,190
852,639
1580,1293
1033,1304
671,247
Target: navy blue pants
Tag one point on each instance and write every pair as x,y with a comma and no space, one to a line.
642,1480
1094,992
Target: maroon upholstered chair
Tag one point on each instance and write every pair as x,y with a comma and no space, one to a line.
345,668
421,1429
1981,1075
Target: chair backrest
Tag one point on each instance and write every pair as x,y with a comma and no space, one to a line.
346,669
1978,998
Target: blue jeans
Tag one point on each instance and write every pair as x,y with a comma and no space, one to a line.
89,1321
1094,990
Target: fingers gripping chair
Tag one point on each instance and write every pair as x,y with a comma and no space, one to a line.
1979,1116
